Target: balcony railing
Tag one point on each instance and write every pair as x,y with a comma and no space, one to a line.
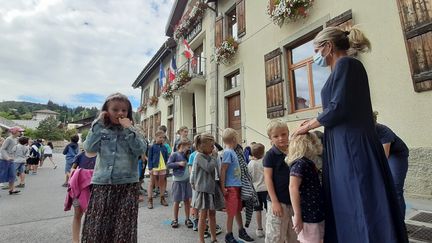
196,66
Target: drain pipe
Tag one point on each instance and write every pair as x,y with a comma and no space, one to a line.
217,85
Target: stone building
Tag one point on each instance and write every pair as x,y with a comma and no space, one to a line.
272,75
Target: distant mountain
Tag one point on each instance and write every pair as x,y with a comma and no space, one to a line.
21,110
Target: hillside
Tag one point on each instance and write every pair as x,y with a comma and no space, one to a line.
21,110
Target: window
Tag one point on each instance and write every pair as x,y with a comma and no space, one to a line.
232,81
146,96
306,79
156,88
417,27
232,24
235,23
274,84
171,110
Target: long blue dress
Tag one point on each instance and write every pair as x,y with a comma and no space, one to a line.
361,204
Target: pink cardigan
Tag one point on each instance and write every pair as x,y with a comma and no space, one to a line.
79,187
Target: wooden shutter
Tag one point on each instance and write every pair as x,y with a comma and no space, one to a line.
157,121
218,31
274,84
145,127
151,130
271,5
241,18
416,20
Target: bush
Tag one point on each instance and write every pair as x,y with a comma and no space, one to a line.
84,135
48,129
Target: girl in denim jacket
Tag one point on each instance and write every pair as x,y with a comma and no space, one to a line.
112,213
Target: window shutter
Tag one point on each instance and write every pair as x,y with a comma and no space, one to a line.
241,18
416,20
151,131
274,84
218,31
157,120
271,5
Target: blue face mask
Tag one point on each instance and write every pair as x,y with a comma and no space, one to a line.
320,60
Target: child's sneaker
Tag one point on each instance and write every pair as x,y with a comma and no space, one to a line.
244,236
260,233
218,229
195,225
229,238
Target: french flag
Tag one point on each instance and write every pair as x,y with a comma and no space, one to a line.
172,70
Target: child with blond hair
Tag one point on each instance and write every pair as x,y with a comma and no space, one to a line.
305,188
279,211
231,185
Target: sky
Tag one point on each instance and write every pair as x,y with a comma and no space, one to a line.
77,52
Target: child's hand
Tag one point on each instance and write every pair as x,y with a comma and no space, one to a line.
125,122
277,209
182,163
224,191
297,223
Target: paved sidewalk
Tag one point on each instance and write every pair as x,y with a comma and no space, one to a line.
36,215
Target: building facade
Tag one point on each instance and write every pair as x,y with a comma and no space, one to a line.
272,76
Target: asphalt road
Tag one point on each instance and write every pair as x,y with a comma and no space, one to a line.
36,214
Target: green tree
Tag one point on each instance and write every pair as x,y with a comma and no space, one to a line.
49,130
31,133
68,133
84,135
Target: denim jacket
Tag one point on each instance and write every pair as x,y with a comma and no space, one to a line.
118,149
154,155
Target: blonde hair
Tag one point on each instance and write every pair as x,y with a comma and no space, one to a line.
274,124
181,129
183,141
201,139
229,135
307,145
352,40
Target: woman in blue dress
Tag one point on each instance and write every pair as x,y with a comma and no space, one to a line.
361,203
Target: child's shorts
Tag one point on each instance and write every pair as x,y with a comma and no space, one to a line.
262,199
158,172
68,167
233,203
181,191
312,232
20,167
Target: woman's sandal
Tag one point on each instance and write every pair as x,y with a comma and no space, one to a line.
174,223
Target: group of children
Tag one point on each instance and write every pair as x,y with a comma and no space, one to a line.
19,156
209,180
285,181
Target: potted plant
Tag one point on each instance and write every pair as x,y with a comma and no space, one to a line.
226,51
189,20
283,11
167,92
153,101
142,108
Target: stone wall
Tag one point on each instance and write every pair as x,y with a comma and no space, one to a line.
418,182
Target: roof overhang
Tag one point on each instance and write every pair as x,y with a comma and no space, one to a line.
153,64
175,16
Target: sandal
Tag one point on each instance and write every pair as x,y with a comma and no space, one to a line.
13,192
174,223
189,223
